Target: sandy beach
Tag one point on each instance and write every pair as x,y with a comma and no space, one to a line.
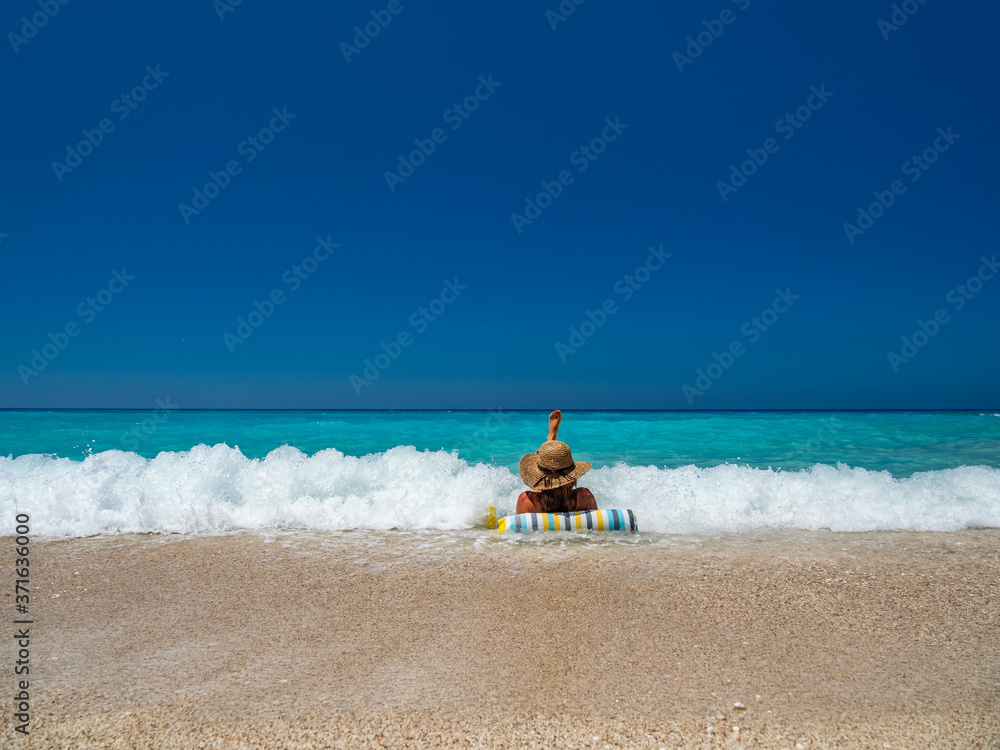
790,640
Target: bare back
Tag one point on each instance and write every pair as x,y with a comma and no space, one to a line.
534,502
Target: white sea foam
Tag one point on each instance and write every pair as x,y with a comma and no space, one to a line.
216,488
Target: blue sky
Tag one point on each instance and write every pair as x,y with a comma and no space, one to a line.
177,167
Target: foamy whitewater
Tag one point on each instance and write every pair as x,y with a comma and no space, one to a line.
215,488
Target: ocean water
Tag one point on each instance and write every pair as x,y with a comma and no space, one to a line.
79,473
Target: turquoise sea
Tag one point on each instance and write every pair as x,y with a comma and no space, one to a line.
87,472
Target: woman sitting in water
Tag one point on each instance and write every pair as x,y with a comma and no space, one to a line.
551,474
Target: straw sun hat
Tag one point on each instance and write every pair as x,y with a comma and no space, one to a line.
552,466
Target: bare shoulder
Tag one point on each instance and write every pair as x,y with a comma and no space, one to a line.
528,502
585,499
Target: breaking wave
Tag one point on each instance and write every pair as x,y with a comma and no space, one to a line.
211,489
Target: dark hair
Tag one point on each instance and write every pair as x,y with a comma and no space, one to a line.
557,500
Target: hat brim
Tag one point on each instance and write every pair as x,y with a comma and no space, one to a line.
539,480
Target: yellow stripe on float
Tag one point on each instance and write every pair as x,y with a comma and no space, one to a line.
600,520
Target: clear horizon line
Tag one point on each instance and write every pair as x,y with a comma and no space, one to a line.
491,409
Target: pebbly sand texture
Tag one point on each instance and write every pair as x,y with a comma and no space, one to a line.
398,640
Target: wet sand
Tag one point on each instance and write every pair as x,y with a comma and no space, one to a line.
425,640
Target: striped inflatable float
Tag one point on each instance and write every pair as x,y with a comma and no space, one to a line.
595,520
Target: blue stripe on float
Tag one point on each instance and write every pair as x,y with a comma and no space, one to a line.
608,520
